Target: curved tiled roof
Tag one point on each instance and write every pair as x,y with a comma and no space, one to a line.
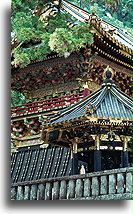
81,15
106,102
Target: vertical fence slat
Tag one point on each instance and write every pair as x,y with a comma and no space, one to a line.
71,189
40,192
26,193
63,190
33,192
95,186
120,183
129,182
56,190
19,193
48,191
103,186
112,184
13,193
87,186
79,188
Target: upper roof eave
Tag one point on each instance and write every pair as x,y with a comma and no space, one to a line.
123,40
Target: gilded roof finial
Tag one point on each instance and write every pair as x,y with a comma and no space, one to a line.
93,17
93,12
108,73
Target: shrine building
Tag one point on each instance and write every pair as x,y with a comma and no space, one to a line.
73,138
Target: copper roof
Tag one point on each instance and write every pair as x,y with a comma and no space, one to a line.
106,102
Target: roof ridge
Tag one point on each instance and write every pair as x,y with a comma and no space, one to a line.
121,98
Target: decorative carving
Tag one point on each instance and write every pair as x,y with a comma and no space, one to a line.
25,128
87,68
88,110
111,136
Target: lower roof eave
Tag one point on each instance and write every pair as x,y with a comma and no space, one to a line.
81,121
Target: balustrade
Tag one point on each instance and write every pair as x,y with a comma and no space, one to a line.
104,185
46,104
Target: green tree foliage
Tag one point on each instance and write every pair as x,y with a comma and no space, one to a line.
17,98
66,41
54,33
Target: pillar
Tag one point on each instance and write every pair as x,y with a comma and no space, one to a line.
97,155
75,164
74,160
125,159
125,155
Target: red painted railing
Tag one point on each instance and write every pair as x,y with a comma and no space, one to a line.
46,104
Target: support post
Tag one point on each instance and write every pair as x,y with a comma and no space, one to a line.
97,160
74,160
97,155
125,155
75,164
125,161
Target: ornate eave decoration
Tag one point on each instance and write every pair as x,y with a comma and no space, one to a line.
66,121
101,27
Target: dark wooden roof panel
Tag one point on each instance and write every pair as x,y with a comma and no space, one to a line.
40,163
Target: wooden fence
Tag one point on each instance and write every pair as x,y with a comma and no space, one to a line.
105,185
